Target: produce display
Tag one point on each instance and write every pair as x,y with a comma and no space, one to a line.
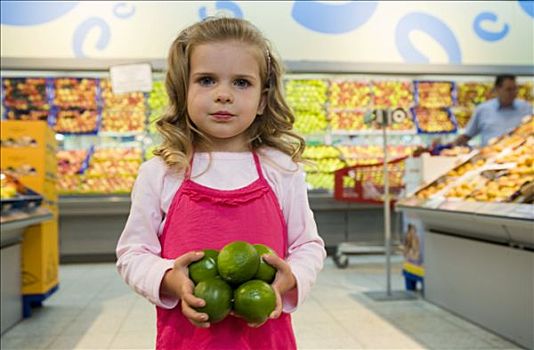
15,196
392,94
122,112
157,101
526,91
434,94
104,171
434,120
76,121
471,94
354,120
349,94
500,172
75,93
26,93
307,98
462,115
235,278
33,114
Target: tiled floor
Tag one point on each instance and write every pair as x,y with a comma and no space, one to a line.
94,309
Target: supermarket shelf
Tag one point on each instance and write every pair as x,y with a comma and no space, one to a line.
90,205
374,133
95,64
14,224
503,223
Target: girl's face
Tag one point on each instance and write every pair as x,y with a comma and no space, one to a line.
225,93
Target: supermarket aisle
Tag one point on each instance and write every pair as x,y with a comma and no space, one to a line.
93,309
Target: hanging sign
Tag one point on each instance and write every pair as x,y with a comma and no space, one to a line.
131,78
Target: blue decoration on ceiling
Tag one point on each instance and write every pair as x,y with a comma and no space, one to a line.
432,26
28,13
226,6
332,18
82,31
486,34
123,10
527,6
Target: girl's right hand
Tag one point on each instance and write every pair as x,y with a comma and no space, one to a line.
176,283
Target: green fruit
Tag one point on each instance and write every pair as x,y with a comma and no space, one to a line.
218,297
254,301
265,271
238,262
204,268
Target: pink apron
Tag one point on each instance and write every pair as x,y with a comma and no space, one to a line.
205,218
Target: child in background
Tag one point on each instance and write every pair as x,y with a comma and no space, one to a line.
227,170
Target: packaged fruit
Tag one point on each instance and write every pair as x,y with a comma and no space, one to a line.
74,93
392,94
434,94
26,93
349,94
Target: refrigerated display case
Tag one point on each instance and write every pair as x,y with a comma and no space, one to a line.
330,100
478,227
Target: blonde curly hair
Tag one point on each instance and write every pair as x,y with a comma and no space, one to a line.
181,137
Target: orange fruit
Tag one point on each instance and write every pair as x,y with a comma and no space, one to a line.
204,268
218,297
238,262
254,301
265,271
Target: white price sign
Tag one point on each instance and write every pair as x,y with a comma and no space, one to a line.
131,78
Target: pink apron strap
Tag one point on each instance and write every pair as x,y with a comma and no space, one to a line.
258,165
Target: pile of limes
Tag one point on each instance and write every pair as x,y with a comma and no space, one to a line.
235,278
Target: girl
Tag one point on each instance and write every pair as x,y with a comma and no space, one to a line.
226,170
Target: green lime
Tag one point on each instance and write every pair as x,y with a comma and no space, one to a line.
204,268
254,301
238,262
218,297
265,272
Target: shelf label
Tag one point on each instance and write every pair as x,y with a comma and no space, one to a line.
131,78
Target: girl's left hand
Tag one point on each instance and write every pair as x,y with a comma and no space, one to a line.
283,282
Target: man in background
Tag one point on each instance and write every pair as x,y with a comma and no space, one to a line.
498,115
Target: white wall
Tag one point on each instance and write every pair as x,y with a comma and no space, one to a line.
461,32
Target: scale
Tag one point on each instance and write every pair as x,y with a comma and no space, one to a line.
385,117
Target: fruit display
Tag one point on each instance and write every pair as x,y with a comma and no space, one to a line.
157,102
32,114
462,115
526,91
349,94
104,171
500,172
15,196
26,93
122,112
70,162
347,120
372,154
471,94
434,120
392,94
75,121
307,99
323,160
434,94
235,278
354,120
76,93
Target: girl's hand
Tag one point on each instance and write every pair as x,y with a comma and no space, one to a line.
176,283
283,282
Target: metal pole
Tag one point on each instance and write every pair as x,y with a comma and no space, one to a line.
387,219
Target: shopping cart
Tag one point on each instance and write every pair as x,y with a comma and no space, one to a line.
364,183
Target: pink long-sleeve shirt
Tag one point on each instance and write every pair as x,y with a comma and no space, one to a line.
139,252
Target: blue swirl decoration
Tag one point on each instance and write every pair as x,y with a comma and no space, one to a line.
81,32
432,26
332,18
123,10
222,5
486,34
28,13
527,6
